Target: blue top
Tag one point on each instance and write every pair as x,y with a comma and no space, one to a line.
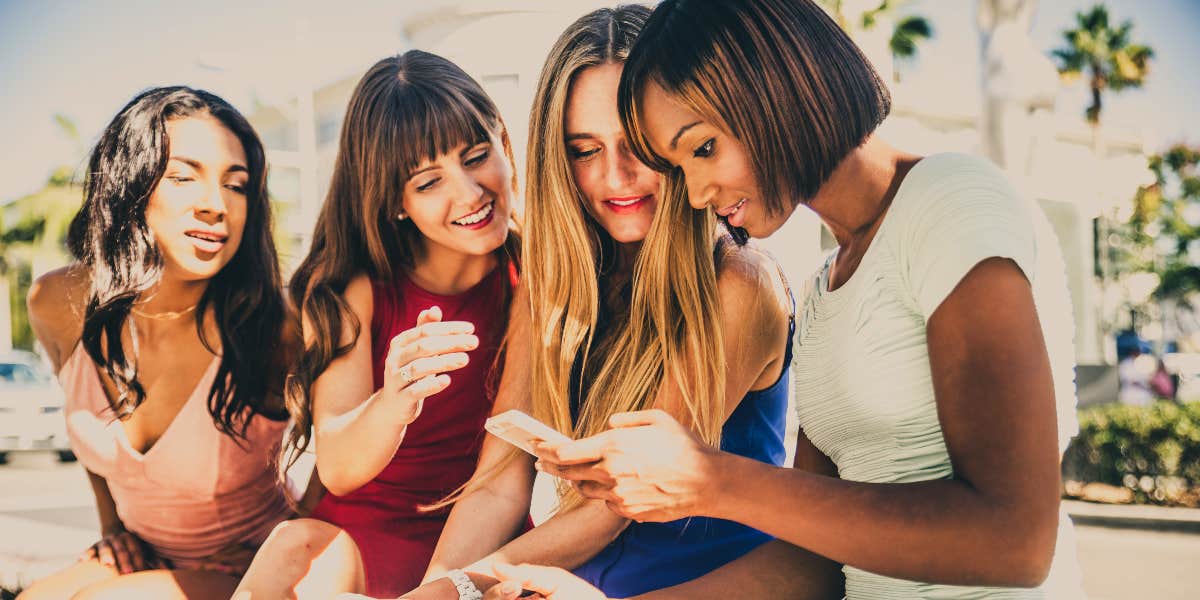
651,556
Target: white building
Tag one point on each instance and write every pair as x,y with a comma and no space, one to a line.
503,48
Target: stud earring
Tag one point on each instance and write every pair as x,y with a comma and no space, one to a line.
400,216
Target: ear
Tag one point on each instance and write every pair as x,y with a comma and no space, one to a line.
508,151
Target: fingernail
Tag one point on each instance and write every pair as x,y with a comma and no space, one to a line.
538,465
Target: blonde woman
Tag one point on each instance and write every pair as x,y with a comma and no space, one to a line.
619,314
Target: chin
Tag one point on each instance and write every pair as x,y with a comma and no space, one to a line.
194,272
628,237
764,228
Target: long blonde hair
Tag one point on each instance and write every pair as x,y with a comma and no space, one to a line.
672,328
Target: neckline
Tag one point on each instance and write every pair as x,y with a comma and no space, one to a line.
410,283
123,436
826,273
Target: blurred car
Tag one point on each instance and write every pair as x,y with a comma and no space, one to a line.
31,407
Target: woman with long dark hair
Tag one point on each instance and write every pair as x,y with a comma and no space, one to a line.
934,382
170,337
404,297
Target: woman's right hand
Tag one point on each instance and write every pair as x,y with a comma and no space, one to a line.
418,358
549,583
124,552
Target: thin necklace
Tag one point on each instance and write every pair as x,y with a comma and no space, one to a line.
166,315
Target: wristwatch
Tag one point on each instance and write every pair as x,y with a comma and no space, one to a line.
466,588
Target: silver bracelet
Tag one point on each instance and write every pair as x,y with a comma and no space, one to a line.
466,588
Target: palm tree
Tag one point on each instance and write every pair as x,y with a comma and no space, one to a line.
1104,54
909,31
33,232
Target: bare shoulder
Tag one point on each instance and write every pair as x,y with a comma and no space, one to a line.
751,288
359,295
56,302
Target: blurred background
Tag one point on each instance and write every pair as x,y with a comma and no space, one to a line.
1090,107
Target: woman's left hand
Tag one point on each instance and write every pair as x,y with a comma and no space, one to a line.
547,583
648,467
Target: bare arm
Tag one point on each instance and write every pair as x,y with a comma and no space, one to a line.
483,524
995,522
55,304
357,429
106,508
776,569
492,514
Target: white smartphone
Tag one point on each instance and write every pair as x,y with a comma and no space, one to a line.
522,430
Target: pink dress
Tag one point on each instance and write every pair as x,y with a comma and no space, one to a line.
195,490
394,537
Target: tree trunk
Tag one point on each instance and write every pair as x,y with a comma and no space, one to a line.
1093,111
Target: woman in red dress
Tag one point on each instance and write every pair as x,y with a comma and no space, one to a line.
404,297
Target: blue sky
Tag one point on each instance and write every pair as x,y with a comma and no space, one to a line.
87,58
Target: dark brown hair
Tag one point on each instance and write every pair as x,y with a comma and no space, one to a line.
779,75
405,110
109,236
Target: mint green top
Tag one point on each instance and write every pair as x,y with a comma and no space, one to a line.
864,391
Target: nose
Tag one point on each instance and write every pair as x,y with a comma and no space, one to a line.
622,170
210,205
700,192
470,191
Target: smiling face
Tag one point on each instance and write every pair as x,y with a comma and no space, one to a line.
618,190
197,210
716,165
461,201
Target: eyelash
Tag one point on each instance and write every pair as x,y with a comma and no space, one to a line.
478,158
473,161
182,179
705,150
582,154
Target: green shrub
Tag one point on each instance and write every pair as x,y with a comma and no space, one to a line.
1154,450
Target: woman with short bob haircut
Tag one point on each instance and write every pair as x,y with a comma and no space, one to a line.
928,460
171,338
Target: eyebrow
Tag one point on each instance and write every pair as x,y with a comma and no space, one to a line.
423,169
675,140
195,164
579,136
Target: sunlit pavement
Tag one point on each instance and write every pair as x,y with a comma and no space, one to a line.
47,518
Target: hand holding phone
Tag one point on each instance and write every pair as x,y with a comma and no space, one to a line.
522,430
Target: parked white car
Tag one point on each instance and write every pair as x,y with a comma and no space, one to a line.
31,407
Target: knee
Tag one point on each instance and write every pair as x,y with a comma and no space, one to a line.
100,591
32,594
297,535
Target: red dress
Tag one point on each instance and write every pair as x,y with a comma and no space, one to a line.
441,447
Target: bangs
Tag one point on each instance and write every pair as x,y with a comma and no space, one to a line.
777,75
432,121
